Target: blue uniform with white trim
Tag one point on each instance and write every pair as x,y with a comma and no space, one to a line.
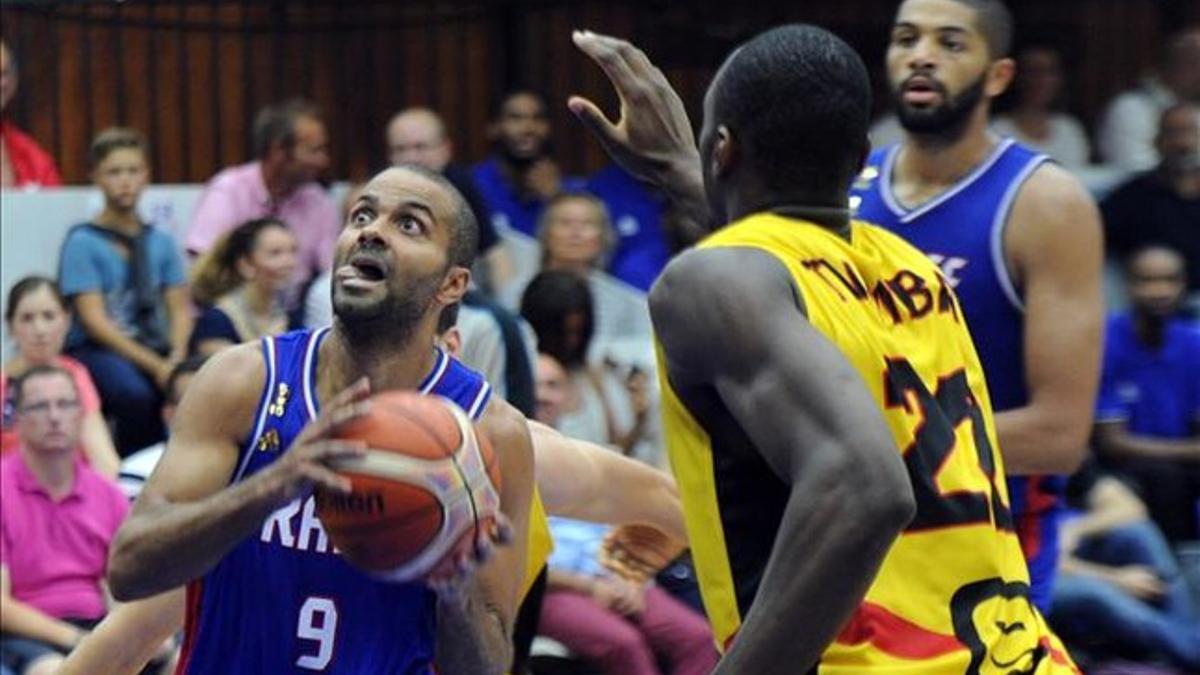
962,230
282,601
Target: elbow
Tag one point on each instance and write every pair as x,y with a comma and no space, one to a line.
1066,446
123,575
891,504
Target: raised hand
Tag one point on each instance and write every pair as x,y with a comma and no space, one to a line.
652,139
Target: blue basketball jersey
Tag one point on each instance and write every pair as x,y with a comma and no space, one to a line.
962,230
283,601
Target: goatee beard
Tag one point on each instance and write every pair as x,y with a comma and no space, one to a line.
945,124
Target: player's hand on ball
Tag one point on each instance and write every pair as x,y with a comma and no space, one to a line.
307,463
652,139
638,552
451,575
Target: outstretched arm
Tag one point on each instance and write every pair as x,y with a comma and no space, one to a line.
129,637
733,332
578,479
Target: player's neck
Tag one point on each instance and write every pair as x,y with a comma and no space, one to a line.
125,221
931,161
387,363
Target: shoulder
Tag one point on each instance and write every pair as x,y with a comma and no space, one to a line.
106,493
507,428
22,142
232,177
715,273
1052,195
234,375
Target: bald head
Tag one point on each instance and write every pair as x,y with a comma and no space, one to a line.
418,136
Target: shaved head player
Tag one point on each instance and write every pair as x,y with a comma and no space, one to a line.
826,415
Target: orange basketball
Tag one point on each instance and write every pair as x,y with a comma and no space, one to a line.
426,486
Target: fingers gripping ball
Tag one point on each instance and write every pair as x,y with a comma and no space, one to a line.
425,490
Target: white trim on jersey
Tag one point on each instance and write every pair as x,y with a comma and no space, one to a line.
906,216
1000,224
439,369
264,405
310,357
480,399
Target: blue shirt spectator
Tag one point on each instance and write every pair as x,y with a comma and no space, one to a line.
1148,408
1155,392
89,262
637,212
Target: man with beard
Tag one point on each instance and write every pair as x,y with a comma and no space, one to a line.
229,510
518,179
1017,236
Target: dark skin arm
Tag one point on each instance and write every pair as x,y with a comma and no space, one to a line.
730,323
186,519
652,139
475,621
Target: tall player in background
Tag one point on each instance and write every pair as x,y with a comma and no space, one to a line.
1017,236
817,381
229,509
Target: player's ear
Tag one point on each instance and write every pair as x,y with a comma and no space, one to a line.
455,285
999,76
724,152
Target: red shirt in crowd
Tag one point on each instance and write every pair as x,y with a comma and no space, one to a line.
31,165
56,552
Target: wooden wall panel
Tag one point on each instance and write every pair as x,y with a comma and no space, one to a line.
192,73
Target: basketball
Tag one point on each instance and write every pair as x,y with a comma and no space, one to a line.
420,495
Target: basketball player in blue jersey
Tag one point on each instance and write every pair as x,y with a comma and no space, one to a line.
1017,236
229,509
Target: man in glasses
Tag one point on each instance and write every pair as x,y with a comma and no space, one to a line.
57,518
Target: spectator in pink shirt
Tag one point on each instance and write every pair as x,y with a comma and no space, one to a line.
293,150
57,519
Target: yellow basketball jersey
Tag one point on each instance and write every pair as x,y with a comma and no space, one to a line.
539,545
952,593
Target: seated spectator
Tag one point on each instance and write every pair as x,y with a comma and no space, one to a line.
1148,409
1120,591
37,320
601,406
136,468
57,520
1162,206
520,176
292,150
23,163
1127,131
641,222
1036,119
241,282
418,136
621,627
576,235
126,283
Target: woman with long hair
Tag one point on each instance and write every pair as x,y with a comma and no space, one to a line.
240,282
38,320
